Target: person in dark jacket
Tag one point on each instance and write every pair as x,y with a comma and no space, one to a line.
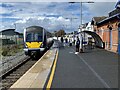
77,45
62,41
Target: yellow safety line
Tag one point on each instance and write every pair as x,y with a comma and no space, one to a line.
52,73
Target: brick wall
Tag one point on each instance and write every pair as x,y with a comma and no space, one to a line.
103,31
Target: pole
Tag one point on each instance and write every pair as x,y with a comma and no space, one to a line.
71,24
15,26
81,12
81,20
15,34
81,49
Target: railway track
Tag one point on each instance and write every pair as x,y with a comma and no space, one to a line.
10,77
13,74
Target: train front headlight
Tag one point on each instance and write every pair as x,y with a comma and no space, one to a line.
26,46
41,45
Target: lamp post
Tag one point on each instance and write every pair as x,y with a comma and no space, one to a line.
81,23
81,20
81,8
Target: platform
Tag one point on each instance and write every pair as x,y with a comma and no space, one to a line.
95,68
37,75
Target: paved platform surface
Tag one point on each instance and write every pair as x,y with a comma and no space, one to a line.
96,68
37,75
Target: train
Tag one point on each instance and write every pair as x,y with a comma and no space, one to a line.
36,40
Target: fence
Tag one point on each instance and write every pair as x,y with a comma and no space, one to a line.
8,40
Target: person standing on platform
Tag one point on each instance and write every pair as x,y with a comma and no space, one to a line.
62,41
77,45
66,41
81,43
70,42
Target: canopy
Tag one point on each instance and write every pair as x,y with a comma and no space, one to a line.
98,41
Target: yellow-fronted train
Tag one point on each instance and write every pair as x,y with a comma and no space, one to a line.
36,40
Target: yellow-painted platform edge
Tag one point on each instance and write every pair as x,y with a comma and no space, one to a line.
52,73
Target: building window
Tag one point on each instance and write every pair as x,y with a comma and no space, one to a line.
110,26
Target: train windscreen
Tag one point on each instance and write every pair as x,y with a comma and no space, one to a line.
33,37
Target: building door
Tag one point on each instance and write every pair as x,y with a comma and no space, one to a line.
110,35
110,39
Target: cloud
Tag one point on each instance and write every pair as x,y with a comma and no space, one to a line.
52,16
49,23
21,21
58,0
38,14
3,10
101,8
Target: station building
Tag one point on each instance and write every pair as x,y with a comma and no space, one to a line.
107,29
10,36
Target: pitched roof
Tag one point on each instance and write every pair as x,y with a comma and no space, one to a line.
17,33
98,19
114,12
7,30
109,18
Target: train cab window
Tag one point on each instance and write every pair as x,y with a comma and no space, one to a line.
29,37
34,37
38,37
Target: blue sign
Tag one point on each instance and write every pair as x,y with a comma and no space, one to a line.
117,4
119,40
84,42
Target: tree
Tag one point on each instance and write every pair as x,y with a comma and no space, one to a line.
60,33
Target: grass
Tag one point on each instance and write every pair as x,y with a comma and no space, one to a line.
11,50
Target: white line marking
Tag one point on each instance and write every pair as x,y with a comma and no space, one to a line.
96,74
70,52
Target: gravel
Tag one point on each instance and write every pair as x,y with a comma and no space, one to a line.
9,62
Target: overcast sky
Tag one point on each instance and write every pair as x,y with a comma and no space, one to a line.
51,16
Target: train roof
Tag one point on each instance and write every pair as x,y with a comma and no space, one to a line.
34,29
